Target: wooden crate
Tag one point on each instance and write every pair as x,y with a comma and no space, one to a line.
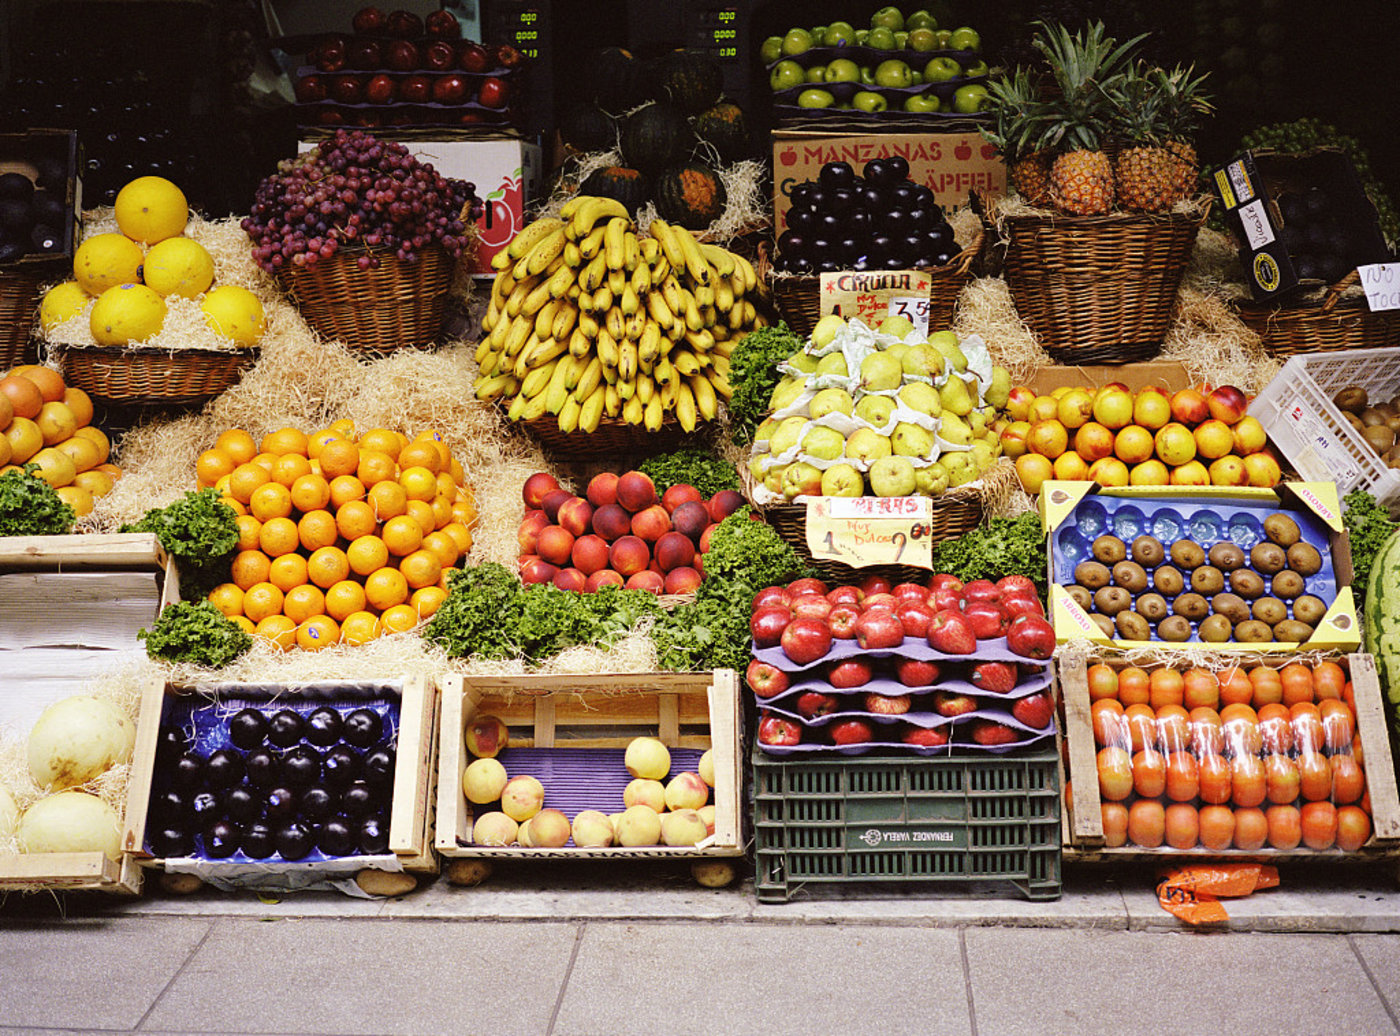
683,710
411,814
1083,820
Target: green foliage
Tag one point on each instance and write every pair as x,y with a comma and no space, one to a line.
753,374
480,615
1001,547
195,632
201,532
1368,526
691,466
29,506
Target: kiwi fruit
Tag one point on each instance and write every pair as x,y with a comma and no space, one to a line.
1081,596
1247,584
1282,529
1148,551
1207,580
1231,606
1215,629
1226,556
1268,558
1309,609
1293,631
1287,584
1174,627
1109,550
1187,554
1254,632
1191,606
1270,610
1352,400
1105,624
1110,600
1091,575
1393,461
1353,420
1371,417
1380,437
1152,607
1132,626
1304,559
1168,581
1130,576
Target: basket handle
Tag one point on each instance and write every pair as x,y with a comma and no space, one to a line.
1334,293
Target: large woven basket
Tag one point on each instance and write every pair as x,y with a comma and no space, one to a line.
1326,325
613,438
19,301
799,297
148,376
396,305
1097,289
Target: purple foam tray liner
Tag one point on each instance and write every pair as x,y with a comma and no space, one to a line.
576,779
991,650
883,685
1033,737
928,720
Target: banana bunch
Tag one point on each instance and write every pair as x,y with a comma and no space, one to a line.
588,319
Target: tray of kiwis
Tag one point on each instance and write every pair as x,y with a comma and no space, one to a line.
1378,422
1217,573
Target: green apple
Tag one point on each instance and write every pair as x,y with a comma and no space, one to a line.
833,363
951,428
931,480
842,480
964,38
869,101
971,98
830,401
797,41
861,36
802,479
940,70
874,410
817,31
826,330
880,38
838,33
922,40
892,73
922,103
880,372
822,442
901,40
944,36
771,49
916,78
887,18
867,445
813,98
786,74
803,361
892,476
843,70
867,77
789,433
976,68
816,74
909,440
921,19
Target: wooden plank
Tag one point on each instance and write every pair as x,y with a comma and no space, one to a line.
724,742
412,767
453,816
425,860
143,764
1375,745
83,550
668,725
544,722
1086,817
588,682
72,871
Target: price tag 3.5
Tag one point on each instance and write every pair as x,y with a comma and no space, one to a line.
915,310
864,531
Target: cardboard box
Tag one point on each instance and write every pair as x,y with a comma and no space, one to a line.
507,173
1164,374
950,164
1339,629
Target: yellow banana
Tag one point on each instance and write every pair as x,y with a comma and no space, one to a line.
591,410
588,324
685,406
615,243
495,387
641,279
574,367
626,388
579,343
657,308
483,350
724,294
565,317
535,300
602,299
700,341
538,258
705,402
547,350
635,325
749,274
534,407
590,379
516,410
735,317
628,301
664,373
609,376
592,246
654,414
660,269
516,299
694,319
649,343
501,260
569,415
544,318
568,209
520,329
498,334
670,244
667,392
720,384
695,263
592,210
720,364
493,313
612,401
634,410
527,239
724,341
617,281
646,388
704,295
538,379
720,258
736,283
631,253
650,247
671,292
616,323
573,258
626,360
559,283
606,346
593,274
750,313
684,361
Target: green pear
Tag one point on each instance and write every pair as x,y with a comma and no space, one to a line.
830,401
827,328
932,480
756,466
842,480
788,433
892,476
833,363
947,343
1000,389
961,469
875,410
866,445
955,397
822,442
896,325
922,361
787,392
773,481
765,431
920,396
953,429
802,479
803,361
983,455
897,350
909,440
879,372
977,421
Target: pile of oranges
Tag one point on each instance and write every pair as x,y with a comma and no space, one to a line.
44,422
1244,758
341,539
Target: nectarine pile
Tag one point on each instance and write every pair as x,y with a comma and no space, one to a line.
46,423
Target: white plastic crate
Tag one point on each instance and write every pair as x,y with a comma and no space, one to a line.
1296,410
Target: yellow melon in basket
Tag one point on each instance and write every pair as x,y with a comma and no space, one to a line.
126,313
178,266
235,313
105,260
61,303
151,209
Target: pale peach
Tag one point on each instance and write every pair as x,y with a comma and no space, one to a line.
1229,471
1018,403
683,827
1133,444
637,826
1109,471
1214,438
1070,466
486,735
1189,407
1093,441
1152,407
686,791
550,829
592,830
522,797
1044,408
495,828
1113,406
1149,473
1175,444
1250,436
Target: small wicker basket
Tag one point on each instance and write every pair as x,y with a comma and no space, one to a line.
1326,325
20,293
613,438
149,376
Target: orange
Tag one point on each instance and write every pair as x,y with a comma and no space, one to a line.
98,439
327,566
422,513
242,622
459,475
318,633
212,465
462,536
339,457
402,535
421,454
446,487
279,536
80,451
262,600
278,629
344,599
220,484
317,529
245,479
345,488
238,444
283,441
388,500
1329,680
80,403
354,519
310,493
376,467
426,600
287,572
248,528
464,512
380,439
399,619
265,461
442,511
316,442
359,627
287,469
270,500
228,598
386,588
303,602
233,505
367,554
443,546
344,427
421,568
418,482
250,567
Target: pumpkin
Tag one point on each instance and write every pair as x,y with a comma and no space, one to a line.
588,128
692,195
624,185
615,74
693,80
725,128
655,137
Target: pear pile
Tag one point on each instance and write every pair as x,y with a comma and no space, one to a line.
879,412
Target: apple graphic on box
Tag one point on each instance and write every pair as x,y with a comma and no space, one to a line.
777,730
851,672
765,680
806,640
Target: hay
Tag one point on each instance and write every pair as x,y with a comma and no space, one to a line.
1211,341
985,308
1002,495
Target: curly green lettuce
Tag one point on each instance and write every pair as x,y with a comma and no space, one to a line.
195,632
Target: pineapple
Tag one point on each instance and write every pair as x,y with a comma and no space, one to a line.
1148,175
1019,115
1183,103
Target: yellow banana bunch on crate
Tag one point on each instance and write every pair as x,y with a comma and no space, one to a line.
587,319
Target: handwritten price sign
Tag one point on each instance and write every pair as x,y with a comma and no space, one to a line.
864,531
915,310
1382,284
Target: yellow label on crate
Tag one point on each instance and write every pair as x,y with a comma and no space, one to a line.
871,530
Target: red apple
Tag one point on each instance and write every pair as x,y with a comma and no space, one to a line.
347,89
368,20
1035,711
1020,604
415,89
777,730
1031,636
926,737
851,732
915,616
473,57
806,640
944,599
723,504
405,25
844,595
811,606
814,703
879,629
875,585
508,57
771,595
310,89
914,672
363,53
842,620
910,592
767,624
885,601
950,633
985,619
990,732
942,579
380,89
765,680
887,704
679,494
330,54
402,55
442,25
981,590
851,672
450,89
807,585
949,703
536,487
439,55
1016,583
995,677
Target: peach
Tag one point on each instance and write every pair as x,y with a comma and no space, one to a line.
590,554
679,494
699,562
647,757
1263,470
486,735
1152,408
522,797
555,544
549,829
592,830
1033,469
1189,407
683,827
1149,473
1109,471
602,489
651,523
683,580
537,486
706,767
1175,444
1075,408
705,537
686,791
655,566
570,579
576,515
1044,408
1013,438
1113,406
629,555
1133,444
1070,466
1047,438
638,826
674,550
536,570
707,814
691,519
1192,473
1250,436
1227,403
610,522
495,828
483,780
528,534
601,578
553,500
724,503
636,491
652,582
1093,441
1229,471
645,791
522,837
1018,402
1213,438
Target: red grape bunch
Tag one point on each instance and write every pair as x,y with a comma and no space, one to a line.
354,190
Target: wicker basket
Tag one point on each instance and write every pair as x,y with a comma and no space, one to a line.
613,438
19,301
799,297
1098,289
393,306
1327,325
146,376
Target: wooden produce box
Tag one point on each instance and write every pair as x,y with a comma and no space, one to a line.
1168,375
410,829
1083,827
683,710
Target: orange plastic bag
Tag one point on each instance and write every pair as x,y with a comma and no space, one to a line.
1191,893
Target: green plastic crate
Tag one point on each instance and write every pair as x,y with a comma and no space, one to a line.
839,822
